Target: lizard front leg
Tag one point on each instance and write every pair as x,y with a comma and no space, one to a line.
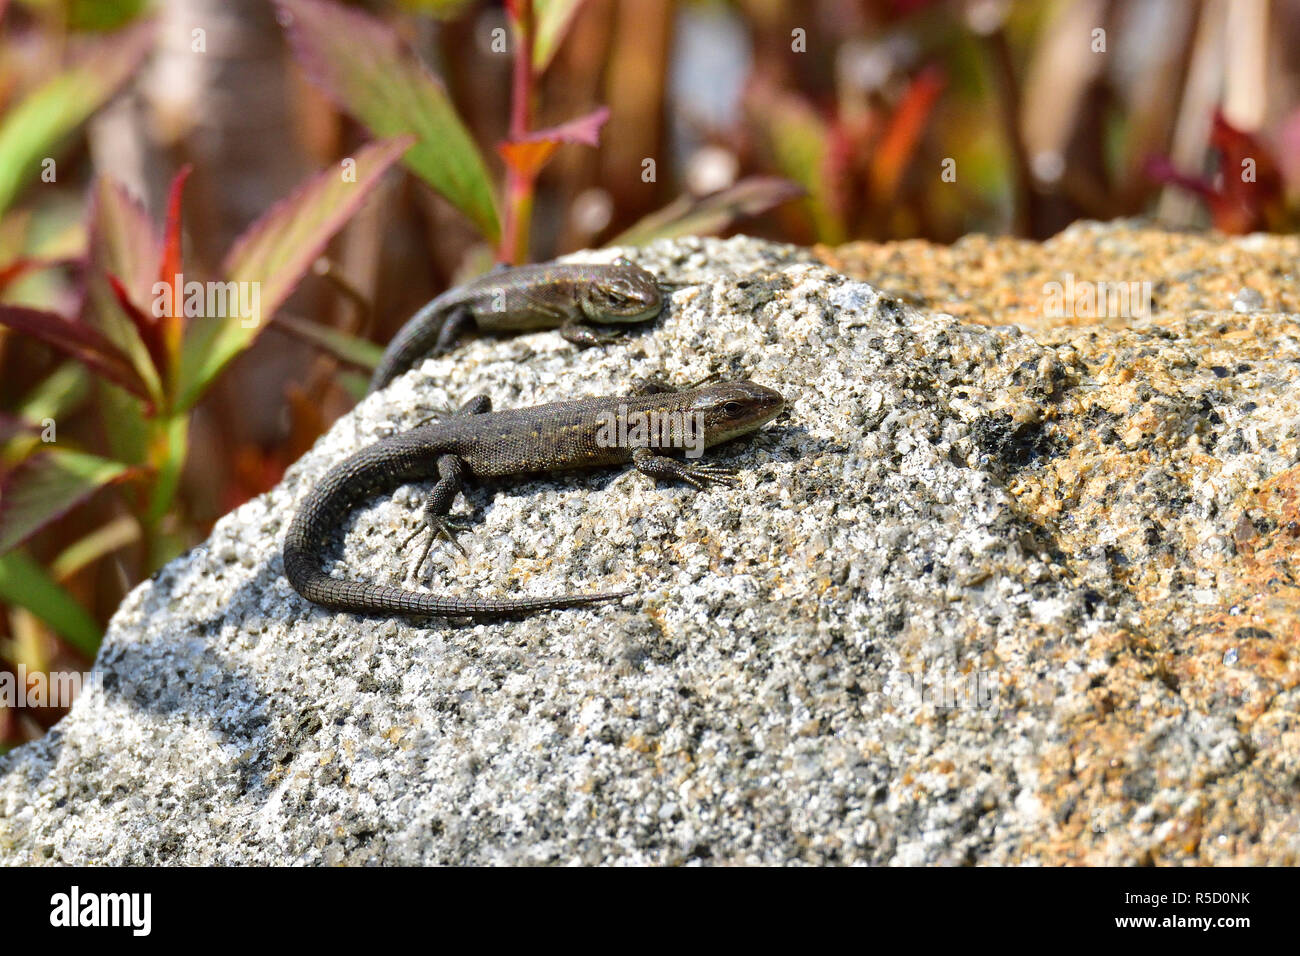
576,331
661,467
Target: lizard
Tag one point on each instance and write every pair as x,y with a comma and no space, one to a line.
566,296
481,443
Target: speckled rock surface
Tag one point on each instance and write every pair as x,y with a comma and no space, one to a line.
979,598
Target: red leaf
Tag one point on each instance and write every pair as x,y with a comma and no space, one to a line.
584,129
15,269
514,9
76,339
1236,205
904,130
48,485
122,242
19,267
148,328
1260,200
527,154
170,269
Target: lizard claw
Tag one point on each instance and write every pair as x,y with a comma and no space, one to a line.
448,528
440,528
702,475
585,336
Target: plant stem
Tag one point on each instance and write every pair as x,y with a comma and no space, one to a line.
520,185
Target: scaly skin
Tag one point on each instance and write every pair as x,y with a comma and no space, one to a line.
482,444
547,296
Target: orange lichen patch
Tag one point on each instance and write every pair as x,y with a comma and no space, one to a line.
1002,281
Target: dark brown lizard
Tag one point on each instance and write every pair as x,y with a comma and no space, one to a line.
480,443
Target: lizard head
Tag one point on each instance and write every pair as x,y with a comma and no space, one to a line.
731,409
621,292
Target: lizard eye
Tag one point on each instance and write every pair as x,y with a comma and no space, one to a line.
732,409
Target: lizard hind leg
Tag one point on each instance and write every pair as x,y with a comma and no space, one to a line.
451,479
478,405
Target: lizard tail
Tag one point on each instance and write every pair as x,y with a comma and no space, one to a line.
414,340
361,598
380,467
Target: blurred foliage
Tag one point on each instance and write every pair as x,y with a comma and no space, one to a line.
129,422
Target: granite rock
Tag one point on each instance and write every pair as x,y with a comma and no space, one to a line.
981,597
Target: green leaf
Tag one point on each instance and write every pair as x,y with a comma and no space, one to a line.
442,9
126,423
58,394
30,131
102,14
47,486
553,18
117,534
344,347
273,255
24,583
713,213
281,246
800,143
367,69
358,386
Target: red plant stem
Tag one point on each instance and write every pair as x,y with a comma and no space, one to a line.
522,85
519,185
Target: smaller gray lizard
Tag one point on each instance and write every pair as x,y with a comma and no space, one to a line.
566,296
